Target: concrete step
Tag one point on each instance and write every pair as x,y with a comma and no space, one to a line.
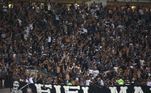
5,90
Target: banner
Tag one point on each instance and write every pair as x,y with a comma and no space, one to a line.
40,88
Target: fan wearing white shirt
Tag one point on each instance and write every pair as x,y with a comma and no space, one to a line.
149,82
49,41
30,80
88,81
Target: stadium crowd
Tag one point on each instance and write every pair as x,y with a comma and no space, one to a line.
76,44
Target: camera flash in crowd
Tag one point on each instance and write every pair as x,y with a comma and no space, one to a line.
133,7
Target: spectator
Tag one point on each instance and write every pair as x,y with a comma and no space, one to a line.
75,45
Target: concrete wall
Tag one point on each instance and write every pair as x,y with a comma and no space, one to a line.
134,0
104,2
7,90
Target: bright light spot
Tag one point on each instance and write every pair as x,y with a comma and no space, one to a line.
133,7
10,5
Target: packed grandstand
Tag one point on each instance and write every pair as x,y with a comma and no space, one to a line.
75,44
